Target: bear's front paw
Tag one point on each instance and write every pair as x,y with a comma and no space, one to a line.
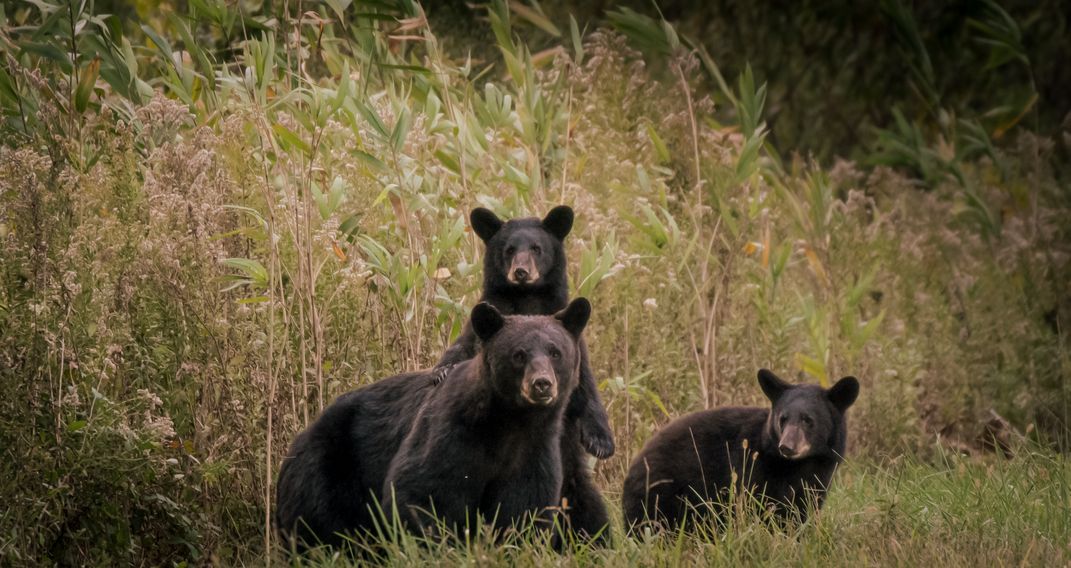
597,441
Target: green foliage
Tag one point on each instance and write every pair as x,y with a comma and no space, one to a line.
217,217
836,70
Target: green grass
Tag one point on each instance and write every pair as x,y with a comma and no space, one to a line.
959,511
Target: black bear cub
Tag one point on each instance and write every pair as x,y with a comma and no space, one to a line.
525,273
486,442
785,455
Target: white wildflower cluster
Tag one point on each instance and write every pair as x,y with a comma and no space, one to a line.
161,119
159,427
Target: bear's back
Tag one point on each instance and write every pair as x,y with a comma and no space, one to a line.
334,467
690,459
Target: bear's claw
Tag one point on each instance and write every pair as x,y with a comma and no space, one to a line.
597,441
438,374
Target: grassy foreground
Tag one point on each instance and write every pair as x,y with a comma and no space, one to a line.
958,511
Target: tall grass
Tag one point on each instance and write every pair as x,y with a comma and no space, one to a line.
955,512
215,221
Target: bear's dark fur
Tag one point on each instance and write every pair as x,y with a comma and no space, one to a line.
785,455
525,273
488,440
484,442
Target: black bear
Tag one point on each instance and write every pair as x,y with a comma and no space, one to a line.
525,273
491,433
785,455
488,441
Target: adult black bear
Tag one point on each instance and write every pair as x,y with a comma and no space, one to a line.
485,440
785,455
488,441
525,273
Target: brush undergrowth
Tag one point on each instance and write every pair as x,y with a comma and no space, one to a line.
218,218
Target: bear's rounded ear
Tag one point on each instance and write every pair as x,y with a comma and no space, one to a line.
486,321
772,385
485,223
559,221
844,393
575,316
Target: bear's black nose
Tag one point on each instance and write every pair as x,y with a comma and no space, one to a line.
541,386
520,274
786,451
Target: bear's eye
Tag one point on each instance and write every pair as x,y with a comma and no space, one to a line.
536,250
555,354
510,250
784,419
807,421
519,356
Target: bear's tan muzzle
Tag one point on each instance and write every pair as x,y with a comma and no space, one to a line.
540,384
523,269
794,443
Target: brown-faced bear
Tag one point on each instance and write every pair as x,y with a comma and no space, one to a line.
485,441
525,273
785,455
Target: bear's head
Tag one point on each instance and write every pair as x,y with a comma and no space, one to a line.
532,361
806,420
524,252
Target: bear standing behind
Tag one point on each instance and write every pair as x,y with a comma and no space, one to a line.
785,455
491,434
524,272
